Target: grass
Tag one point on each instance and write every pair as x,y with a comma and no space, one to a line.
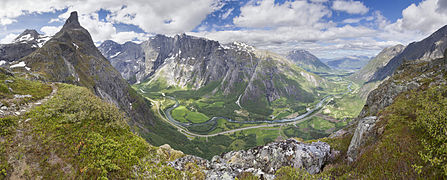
91,136
321,124
196,117
182,114
179,114
11,85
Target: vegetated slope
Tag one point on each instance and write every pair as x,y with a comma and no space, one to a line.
429,48
307,61
365,74
401,131
76,135
70,56
23,45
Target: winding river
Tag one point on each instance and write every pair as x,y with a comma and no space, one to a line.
213,120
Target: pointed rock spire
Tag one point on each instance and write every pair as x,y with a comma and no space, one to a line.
72,21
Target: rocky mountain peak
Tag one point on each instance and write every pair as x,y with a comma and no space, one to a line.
72,21
27,35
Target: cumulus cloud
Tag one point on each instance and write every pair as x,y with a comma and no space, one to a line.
8,38
266,13
167,16
304,24
122,37
351,7
422,17
50,30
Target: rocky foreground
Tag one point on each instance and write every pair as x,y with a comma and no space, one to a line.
262,161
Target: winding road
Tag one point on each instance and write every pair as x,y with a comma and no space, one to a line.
181,127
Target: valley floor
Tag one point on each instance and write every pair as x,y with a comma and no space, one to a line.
184,115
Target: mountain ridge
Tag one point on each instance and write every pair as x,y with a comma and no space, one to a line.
429,48
307,60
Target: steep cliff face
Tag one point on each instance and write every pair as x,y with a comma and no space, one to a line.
127,58
26,43
429,48
307,61
72,57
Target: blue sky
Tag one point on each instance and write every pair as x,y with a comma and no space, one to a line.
327,28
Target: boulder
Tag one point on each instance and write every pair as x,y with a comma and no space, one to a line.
263,161
363,131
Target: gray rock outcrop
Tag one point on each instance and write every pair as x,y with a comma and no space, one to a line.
363,131
263,161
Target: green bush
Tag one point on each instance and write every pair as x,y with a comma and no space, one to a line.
431,120
93,136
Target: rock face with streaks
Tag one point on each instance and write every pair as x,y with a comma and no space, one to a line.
263,161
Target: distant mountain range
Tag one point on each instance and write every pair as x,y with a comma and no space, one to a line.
351,63
307,61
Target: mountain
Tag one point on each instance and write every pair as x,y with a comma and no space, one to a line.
381,60
348,63
307,61
127,58
70,56
246,77
26,43
429,48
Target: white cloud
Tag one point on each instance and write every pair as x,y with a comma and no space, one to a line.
8,38
279,27
423,18
266,13
350,6
6,21
123,37
50,30
151,16
226,14
167,16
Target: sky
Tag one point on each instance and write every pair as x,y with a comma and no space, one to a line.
327,28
